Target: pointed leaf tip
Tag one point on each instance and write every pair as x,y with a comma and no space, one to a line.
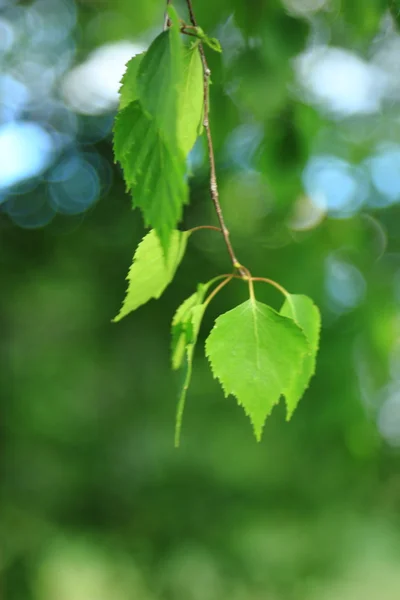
146,133
128,91
151,271
256,353
306,315
185,329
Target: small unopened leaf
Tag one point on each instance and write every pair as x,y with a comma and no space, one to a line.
212,43
153,170
185,329
306,314
151,271
256,354
182,329
191,100
128,90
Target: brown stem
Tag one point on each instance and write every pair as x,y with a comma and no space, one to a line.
200,227
187,31
274,283
213,174
218,289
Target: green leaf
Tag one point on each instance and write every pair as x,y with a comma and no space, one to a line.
146,135
151,271
182,329
191,100
307,316
256,353
185,329
128,90
160,78
153,170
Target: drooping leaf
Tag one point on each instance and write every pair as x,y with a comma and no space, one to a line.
153,171
191,100
128,90
256,353
151,271
146,135
160,78
183,328
307,316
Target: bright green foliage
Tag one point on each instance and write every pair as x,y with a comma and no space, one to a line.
151,271
152,171
128,90
146,133
191,100
256,354
160,77
182,330
307,316
159,120
185,329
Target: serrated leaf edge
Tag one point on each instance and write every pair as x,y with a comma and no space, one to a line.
179,256
257,432
289,413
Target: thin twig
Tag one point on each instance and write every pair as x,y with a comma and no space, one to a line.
213,175
167,22
217,289
188,32
272,282
200,227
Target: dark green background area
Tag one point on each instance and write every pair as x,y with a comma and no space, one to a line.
95,502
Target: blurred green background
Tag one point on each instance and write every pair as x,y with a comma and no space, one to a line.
95,502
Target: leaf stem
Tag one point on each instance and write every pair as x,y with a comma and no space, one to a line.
200,227
251,289
181,405
213,174
272,282
250,279
219,287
